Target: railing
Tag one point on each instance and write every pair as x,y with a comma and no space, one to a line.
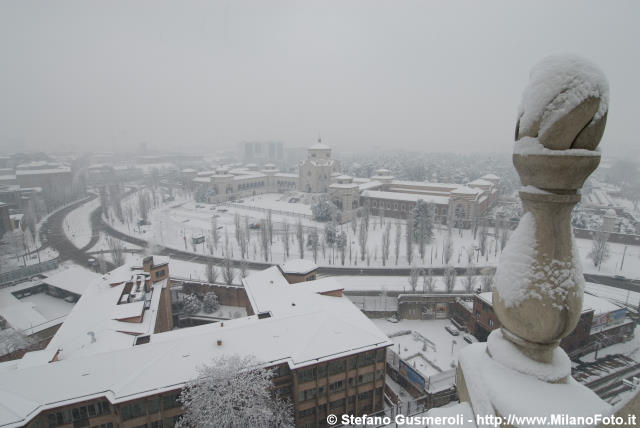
6,278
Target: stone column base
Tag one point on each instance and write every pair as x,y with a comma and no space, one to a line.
494,390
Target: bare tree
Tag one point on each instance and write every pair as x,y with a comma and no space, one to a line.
447,248
236,223
212,273
409,239
486,278
449,278
300,238
599,248
354,223
285,238
482,237
269,223
313,240
264,240
363,236
469,279
244,269
215,233
228,272
144,205
117,250
102,264
397,242
428,281
386,243
414,275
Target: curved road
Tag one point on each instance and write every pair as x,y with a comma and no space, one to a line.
53,228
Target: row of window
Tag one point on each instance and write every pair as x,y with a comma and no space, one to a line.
67,416
340,403
151,406
339,366
309,394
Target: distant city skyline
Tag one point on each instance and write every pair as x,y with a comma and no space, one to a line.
202,76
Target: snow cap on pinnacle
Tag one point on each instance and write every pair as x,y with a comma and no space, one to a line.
565,103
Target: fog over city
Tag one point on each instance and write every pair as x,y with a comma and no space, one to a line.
202,76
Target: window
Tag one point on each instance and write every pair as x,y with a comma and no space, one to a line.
381,354
307,412
322,390
306,375
156,424
308,394
365,378
170,401
336,386
490,323
153,405
336,367
366,358
133,410
353,363
336,404
322,370
379,374
365,395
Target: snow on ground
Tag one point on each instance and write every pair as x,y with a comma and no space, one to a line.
616,295
630,348
77,224
437,354
278,202
630,260
175,223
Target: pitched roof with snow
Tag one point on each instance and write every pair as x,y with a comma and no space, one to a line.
298,266
75,279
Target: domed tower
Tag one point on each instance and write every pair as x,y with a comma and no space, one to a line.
316,170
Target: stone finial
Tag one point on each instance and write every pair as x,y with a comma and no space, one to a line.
539,282
565,104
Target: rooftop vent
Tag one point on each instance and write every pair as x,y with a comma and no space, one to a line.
219,342
263,315
141,340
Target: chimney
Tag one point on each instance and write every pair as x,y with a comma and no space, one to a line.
219,342
147,262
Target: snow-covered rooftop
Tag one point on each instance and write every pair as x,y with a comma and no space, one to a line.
298,266
406,197
480,182
304,327
75,279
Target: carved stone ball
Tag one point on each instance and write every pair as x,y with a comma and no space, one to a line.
565,104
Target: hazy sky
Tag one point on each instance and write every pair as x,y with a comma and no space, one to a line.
187,75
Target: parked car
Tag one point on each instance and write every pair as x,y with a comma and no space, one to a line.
452,330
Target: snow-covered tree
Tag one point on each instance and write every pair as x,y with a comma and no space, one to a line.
341,244
264,240
210,302
232,392
244,269
323,209
447,248
191,304
422,225
12,340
